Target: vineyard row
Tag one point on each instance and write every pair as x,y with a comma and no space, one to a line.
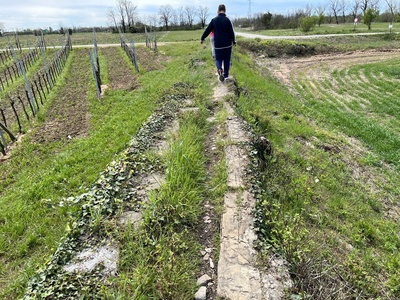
26,100
12,72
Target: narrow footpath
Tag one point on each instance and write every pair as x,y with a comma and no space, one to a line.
238,274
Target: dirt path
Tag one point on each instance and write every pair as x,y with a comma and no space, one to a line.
238,274
120,75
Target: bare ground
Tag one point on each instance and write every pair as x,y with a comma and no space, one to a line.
120,75
68,116
287,69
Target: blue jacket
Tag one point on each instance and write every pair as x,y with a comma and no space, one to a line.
224,35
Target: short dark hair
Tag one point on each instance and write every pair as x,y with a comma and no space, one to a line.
221,7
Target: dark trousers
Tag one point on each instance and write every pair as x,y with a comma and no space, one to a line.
223,56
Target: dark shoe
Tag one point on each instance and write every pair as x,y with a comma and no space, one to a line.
221,75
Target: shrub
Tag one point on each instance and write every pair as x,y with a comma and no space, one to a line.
308,23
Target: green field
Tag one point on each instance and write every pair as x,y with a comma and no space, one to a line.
346,28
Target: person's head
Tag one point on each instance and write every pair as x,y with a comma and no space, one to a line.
221,8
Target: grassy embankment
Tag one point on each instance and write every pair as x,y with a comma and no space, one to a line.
329,200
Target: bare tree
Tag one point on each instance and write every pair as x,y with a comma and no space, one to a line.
320,9
121,14
365,4
335,8
308,10
355,6
343,6
130,11
393,8
181,15
175,18
153,20
202,13
166,12
112,17
190,12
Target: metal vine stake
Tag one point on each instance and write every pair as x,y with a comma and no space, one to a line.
94,61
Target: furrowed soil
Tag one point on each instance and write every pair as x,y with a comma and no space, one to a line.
358,86
68,116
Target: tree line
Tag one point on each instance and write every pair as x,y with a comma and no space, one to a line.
330,12
124,16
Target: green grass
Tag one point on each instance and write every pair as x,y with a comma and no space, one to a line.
375,122
32,228
20,81
160,260
180,36
312,207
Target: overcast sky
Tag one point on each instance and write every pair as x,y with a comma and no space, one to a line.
22,14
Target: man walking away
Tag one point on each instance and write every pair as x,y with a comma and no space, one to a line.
224,38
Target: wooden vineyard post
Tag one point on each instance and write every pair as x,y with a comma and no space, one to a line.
35,100
37,89
12,137
23,107
32,105
16,114
42,42
155,42
2,148
121,37
45,82
41,86
133,55
96,55
17,43
3,116
68,42
9,74
3,144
